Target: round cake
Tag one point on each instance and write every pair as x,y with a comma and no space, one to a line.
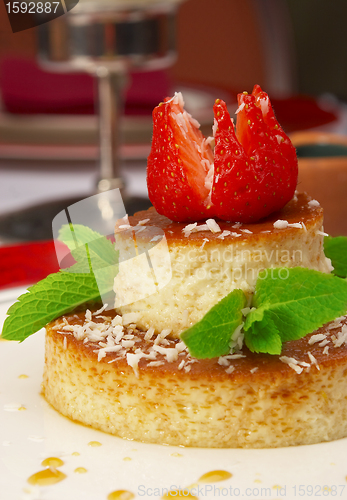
155,392
128,373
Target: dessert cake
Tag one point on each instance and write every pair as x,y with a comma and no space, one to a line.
129,374
201,348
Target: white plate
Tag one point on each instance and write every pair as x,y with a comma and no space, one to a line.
29,436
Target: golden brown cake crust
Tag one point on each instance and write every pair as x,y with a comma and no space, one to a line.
297,210
263,402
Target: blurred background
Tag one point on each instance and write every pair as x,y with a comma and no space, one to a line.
297,51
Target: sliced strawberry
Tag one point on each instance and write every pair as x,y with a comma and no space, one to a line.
256,169
178,164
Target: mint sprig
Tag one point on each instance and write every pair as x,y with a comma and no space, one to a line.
85,281
288,304
50,298
292,303
335,248
211,336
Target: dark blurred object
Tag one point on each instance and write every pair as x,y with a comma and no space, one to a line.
35,222
27,89
324,176
319,33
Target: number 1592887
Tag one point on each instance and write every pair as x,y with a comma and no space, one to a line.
32,7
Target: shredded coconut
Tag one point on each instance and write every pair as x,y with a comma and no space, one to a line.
280,224
317,338
156,238
205,240
313,203
224,234
230,369
313,360
292,363
240,108
213,226
341,337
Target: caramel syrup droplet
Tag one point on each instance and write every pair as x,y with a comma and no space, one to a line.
215,476
46,477
121,495
80,470
23,376
52,462
94,443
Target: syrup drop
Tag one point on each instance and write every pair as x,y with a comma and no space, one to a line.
80,470
75,454
176,455
52,462
215,476
121,495
23,376
127,459
46,477
94,443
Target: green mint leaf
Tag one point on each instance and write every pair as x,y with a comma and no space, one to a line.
89,248
93,253
297,301
211,336
263,336
336,250
50,298
90,278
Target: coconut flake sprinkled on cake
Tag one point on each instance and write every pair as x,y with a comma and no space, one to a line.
292,363
313,360
204,241
156,238
213,226
224,234
317,338
341,337
280,224
313,203
283,224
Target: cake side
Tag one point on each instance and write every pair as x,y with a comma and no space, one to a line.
248,401
207,265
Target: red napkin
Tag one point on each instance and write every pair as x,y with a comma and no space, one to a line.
26,264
